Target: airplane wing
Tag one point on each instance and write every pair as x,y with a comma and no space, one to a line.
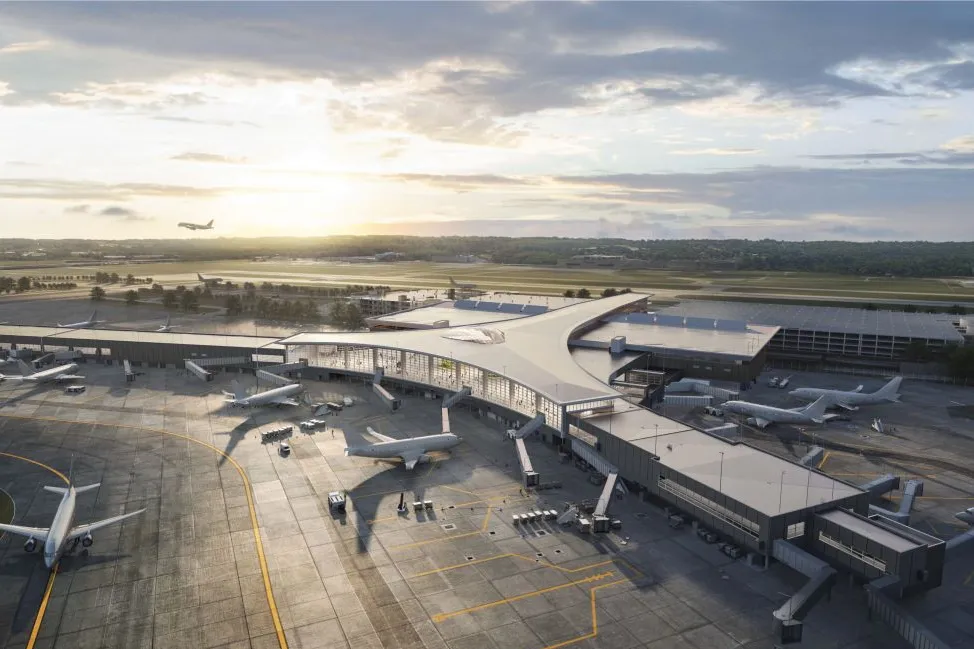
761,423
68,377
379,436
284,401
858,389
411,460
846,406
39,533
81,530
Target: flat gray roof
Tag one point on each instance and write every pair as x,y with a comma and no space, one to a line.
80,337
750,475
534,351
649,337
600,363
825,318
870,530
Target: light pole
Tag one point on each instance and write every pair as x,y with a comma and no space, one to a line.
656,443
720,480
808,485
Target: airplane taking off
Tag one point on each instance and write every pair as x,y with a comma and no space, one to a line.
57,374
209,281
276,397
196,226
63,530
762,416
967,516
889,393
411,450
166,328
464,285
84,324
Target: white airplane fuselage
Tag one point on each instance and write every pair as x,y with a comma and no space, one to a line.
889,393
764,415
51,374
400,447
268,397
57,537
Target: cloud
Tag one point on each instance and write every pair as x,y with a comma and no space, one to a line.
460,72
75,190
77,209
957,152
716,151
21,48
209,157
123,214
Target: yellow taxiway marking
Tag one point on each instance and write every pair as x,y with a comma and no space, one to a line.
825,458
36,629
43,609
248,491
440,617
514,555
595,619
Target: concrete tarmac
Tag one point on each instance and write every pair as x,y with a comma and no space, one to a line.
190,573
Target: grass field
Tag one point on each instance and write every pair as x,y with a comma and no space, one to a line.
533,279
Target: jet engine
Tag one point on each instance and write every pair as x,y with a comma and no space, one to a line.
30,545
87,540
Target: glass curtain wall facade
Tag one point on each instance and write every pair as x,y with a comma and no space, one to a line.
444,373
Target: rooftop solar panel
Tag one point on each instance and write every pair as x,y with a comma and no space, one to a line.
821,318
534,309
511,308
694,322
464,304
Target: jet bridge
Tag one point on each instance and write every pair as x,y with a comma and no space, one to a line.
453,399
386,397
788,618
881,485
265,375
129,374
530,427
531,478
813,457
913,489
445,414
280,368
198,371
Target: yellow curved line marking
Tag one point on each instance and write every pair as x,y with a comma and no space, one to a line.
36,629
248,490
35,462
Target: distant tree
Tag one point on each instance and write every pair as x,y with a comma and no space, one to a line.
131,297
129,279
910,308
189,301
584,293
957,309
157,288
234,305
170,299
23,284
626,290
609,292
113,278
7,284
960,362
336,315
97,293
870,307
917,351
569,293
353,317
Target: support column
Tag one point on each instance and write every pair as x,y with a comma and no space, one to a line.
483,382
456,371
402,363
429,369
375,358
510,394
345,357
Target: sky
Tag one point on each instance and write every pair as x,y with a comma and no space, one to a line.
793,120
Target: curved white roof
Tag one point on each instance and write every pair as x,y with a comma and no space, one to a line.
534,351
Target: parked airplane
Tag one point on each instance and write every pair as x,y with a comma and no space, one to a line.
465,285
196,226
275,397
967,515
411,450
762,416
63,530
209,281
851,400
84,324
166,328
58,374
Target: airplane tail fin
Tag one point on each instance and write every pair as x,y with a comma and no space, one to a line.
200,277
210,224
94,314
891,390
24,367
238,392
816,410
453,282
859,388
